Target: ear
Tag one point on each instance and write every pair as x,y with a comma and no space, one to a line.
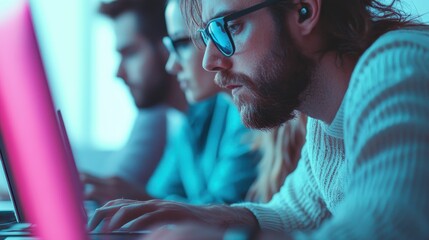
307,15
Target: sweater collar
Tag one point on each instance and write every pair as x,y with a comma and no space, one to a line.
335,129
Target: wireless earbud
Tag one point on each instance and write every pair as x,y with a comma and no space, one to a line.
303,14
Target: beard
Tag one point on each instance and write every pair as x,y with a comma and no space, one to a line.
276,89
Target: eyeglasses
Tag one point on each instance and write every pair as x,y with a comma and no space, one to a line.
217,29
175,46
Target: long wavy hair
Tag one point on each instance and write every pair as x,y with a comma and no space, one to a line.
349,26
281,148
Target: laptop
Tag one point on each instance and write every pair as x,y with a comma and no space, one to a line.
16,227
42,177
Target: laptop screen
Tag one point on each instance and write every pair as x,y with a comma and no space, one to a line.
31,136
11,187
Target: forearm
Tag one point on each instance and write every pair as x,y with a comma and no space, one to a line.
226,216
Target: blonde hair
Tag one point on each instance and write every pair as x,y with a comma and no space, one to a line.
281,149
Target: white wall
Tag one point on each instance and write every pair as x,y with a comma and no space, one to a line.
78,48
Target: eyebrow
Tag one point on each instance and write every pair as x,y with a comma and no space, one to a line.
219,14
180,34
125,49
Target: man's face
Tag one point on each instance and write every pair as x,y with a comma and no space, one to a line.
141,66
267,74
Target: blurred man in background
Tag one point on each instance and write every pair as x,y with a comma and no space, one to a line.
139,27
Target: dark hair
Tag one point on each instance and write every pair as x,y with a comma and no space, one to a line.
150,15
350,26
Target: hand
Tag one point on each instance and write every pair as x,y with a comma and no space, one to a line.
140,215
103,190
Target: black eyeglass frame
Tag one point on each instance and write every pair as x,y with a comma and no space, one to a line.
172,44
223,22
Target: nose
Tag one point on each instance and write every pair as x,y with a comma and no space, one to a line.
172,66
214,60
121,73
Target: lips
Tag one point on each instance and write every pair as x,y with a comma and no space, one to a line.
232,86
227,80
234,89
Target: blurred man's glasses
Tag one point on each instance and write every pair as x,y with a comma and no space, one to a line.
175,45
217,29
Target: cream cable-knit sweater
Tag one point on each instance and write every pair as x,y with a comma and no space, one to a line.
366,176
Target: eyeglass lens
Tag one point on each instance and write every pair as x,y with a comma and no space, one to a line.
220,37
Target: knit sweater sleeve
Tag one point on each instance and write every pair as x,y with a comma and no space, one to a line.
298,205
386,140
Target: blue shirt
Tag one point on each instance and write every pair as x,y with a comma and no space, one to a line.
209,159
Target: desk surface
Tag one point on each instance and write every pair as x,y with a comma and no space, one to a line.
99,236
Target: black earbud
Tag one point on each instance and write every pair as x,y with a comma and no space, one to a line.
303,14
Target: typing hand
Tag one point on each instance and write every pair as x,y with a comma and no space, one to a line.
103,190
140,215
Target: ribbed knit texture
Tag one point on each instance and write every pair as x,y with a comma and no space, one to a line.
366,176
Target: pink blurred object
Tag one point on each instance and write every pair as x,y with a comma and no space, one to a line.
32,136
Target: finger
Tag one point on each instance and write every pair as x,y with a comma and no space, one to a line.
154,220
97,194
100,214
87,178
121,201
143,222
92,194
104,225
128,213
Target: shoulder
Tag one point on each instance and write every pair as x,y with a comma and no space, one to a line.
397,61
176,118
395,46
411,36
390,84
